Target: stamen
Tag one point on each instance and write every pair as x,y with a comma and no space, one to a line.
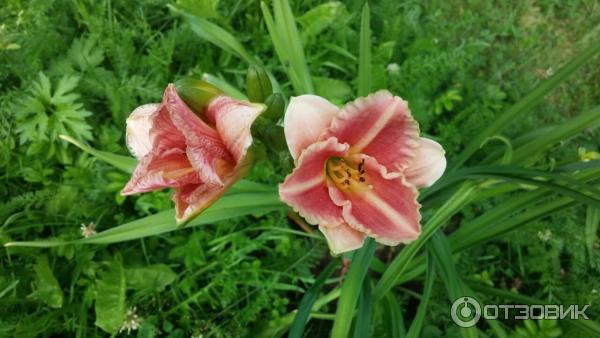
347,174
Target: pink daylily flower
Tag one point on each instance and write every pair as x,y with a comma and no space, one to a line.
358,168
199,155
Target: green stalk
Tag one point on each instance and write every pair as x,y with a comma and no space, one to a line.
351,289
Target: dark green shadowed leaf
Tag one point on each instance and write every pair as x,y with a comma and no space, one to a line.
308,300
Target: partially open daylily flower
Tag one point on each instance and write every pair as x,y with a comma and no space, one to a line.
358,168
199,154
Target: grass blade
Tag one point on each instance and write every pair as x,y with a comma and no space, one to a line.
364,315
442,255
592,221
288,46
215,35
364,55
308,300
351,289
533,144
417,324
125,163
233,205
393,319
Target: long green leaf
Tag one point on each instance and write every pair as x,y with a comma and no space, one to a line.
215,35
540,139
503,218
351,289
288,45
417,324
525,105
232,205
442,254
364,315
393,321
308,300
125,163
364,65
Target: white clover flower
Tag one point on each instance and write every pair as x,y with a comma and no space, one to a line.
131,322
393,68
88,230
545,235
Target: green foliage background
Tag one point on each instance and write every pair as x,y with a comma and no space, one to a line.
79,67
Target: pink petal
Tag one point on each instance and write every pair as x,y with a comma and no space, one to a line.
380,126
157,171
342,238
306,118
387,209
305,189
233,120
137,133
190,200
205,150
428,165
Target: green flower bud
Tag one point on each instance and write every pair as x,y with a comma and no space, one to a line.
275,106
274,138
258,84
196,93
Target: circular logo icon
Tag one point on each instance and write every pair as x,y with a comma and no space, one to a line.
465,311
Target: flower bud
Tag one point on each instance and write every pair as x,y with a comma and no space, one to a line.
196,93
274,138
275,105
258,84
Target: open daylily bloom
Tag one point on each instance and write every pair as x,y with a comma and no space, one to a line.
199,154
358,168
